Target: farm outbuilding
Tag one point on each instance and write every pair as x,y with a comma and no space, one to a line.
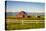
21,14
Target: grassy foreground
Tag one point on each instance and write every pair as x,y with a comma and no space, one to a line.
19,26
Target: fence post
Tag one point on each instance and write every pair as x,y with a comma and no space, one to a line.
22,21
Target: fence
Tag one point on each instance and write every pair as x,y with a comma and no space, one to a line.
23,21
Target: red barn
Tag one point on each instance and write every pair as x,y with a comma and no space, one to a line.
21,14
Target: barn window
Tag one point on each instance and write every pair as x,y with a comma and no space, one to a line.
23,16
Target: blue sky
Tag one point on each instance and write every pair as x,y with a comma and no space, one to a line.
16,6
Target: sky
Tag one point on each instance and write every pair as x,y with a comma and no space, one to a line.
28,0
17,6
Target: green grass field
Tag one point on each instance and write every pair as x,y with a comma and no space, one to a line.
17,26
12,25
27,23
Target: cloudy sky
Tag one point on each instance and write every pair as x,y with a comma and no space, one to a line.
16,6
